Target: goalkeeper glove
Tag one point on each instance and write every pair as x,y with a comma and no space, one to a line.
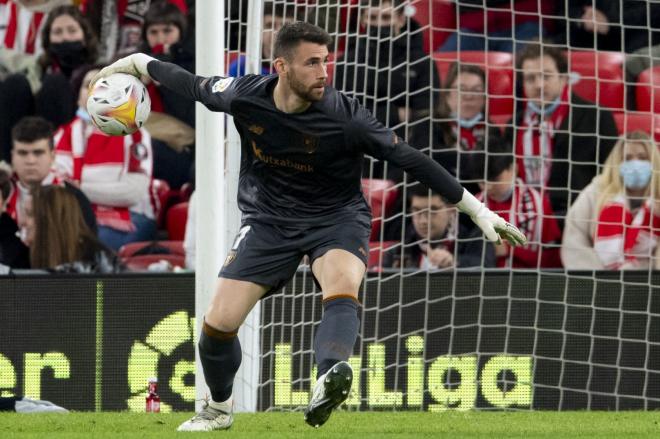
135,65
493,225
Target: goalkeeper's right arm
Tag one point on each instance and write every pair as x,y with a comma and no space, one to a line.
214,92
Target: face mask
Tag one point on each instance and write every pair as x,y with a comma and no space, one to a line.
636,174
69,54
545,111
83,114
381,32
470,123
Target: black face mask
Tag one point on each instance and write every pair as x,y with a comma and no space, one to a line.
69,54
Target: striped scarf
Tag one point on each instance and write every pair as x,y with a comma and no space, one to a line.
626,237
534,142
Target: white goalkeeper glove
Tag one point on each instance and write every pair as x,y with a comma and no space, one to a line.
135,65
493,225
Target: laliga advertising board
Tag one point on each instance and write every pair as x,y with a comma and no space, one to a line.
119,104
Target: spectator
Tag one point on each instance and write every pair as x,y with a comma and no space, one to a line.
615,222
113,171
509,24
522,206
119,24
172,118
387,69
274,17
436,239
32,157
560,139
68,43
59,238
622,25
459,128
13,253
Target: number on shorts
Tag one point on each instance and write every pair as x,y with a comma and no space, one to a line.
240,236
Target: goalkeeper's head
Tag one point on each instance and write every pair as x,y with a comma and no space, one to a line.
301,54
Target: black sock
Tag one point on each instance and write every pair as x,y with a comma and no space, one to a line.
8,404
337,332
220,353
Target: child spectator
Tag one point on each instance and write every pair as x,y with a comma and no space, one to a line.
521,205
615,222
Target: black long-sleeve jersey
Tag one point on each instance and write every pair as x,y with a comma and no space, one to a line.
302,168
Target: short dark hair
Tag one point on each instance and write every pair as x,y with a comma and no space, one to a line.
498,159
163,12
294,33
420,190
536,50
32,128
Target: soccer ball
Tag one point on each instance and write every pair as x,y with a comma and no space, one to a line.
119,104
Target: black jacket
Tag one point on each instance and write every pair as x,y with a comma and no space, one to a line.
632,22
13,252
471,249
586,143
389,74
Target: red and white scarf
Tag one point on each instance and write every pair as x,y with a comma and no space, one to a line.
20,27
524,210
83,153
19,192
626,237
534,142
468,138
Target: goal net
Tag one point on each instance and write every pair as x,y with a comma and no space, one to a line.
447,320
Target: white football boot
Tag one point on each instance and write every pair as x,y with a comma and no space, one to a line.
331,389
214,416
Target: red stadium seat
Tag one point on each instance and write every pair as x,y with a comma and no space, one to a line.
177,216
381,196
631,121
647,90
437,19
173,247
376,251
161,190
600,76
142,263
499,77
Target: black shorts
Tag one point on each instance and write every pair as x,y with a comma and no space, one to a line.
270,254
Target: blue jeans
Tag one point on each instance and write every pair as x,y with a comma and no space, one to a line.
145,230
497,41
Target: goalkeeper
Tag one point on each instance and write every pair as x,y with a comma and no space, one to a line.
299,194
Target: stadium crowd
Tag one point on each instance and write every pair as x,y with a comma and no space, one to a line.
544,111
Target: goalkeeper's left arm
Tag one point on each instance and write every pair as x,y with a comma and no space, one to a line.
382,143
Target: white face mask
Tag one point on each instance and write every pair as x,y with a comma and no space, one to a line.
22,234
470,123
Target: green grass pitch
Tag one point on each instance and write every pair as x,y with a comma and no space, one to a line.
344,425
